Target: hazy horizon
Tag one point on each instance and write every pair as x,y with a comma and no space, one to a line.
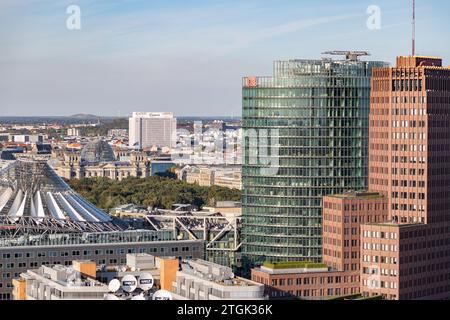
186,57
73,116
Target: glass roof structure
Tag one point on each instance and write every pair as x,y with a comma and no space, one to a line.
96,152
32,194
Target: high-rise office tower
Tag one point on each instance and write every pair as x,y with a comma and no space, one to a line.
306,135
408,257
150,129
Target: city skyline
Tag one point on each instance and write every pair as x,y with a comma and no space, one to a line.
128,53
220,150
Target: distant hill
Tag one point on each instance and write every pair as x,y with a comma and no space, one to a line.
84,116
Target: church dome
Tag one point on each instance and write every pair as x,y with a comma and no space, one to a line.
97,151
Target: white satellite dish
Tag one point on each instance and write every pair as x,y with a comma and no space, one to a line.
162,295
111,297
129,283
146,281
138,297
114,285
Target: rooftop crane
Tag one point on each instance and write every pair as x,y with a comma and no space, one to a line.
349,55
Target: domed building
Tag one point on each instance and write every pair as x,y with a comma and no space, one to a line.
98,159
97,151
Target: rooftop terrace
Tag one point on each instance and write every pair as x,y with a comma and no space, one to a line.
359,195
294,265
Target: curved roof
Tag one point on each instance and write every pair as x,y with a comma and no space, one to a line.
31,189
97,151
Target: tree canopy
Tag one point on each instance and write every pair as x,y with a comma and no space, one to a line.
158,192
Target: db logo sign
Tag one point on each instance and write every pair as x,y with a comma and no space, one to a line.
251,82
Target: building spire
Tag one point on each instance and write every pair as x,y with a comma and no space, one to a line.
414,28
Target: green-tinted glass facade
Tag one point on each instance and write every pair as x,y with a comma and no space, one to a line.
317,113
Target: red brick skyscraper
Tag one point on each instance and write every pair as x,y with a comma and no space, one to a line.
409,162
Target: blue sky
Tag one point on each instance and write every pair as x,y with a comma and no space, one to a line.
185,56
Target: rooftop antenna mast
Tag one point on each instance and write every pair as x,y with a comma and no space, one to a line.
414,28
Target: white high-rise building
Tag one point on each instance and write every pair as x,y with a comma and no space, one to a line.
73,132
150,129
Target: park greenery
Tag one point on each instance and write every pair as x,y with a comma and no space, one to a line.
159,192
102,129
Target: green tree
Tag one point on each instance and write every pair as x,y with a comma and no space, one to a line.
155,191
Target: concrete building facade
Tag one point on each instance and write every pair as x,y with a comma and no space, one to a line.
60,283
407,257
72,166
208,176
15,260
203,280
149,129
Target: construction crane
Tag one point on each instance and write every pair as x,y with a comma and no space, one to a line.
349,55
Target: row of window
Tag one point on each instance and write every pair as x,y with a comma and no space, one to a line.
379,235
336,230
410,195
408,124
408,183
380,247
54,254
376,284
7,275
410,208
383,272
411,160
12,265
408,147
362,207
410,112
307,281
409,136
407,85
379,259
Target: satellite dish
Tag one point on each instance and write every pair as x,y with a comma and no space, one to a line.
162,295
146,281
138,297
111,297
129,283
114,285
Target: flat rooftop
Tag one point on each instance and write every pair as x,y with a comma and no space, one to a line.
65,276
215,273
358,195
394,224
294,265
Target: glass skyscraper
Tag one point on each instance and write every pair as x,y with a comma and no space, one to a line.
306,136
